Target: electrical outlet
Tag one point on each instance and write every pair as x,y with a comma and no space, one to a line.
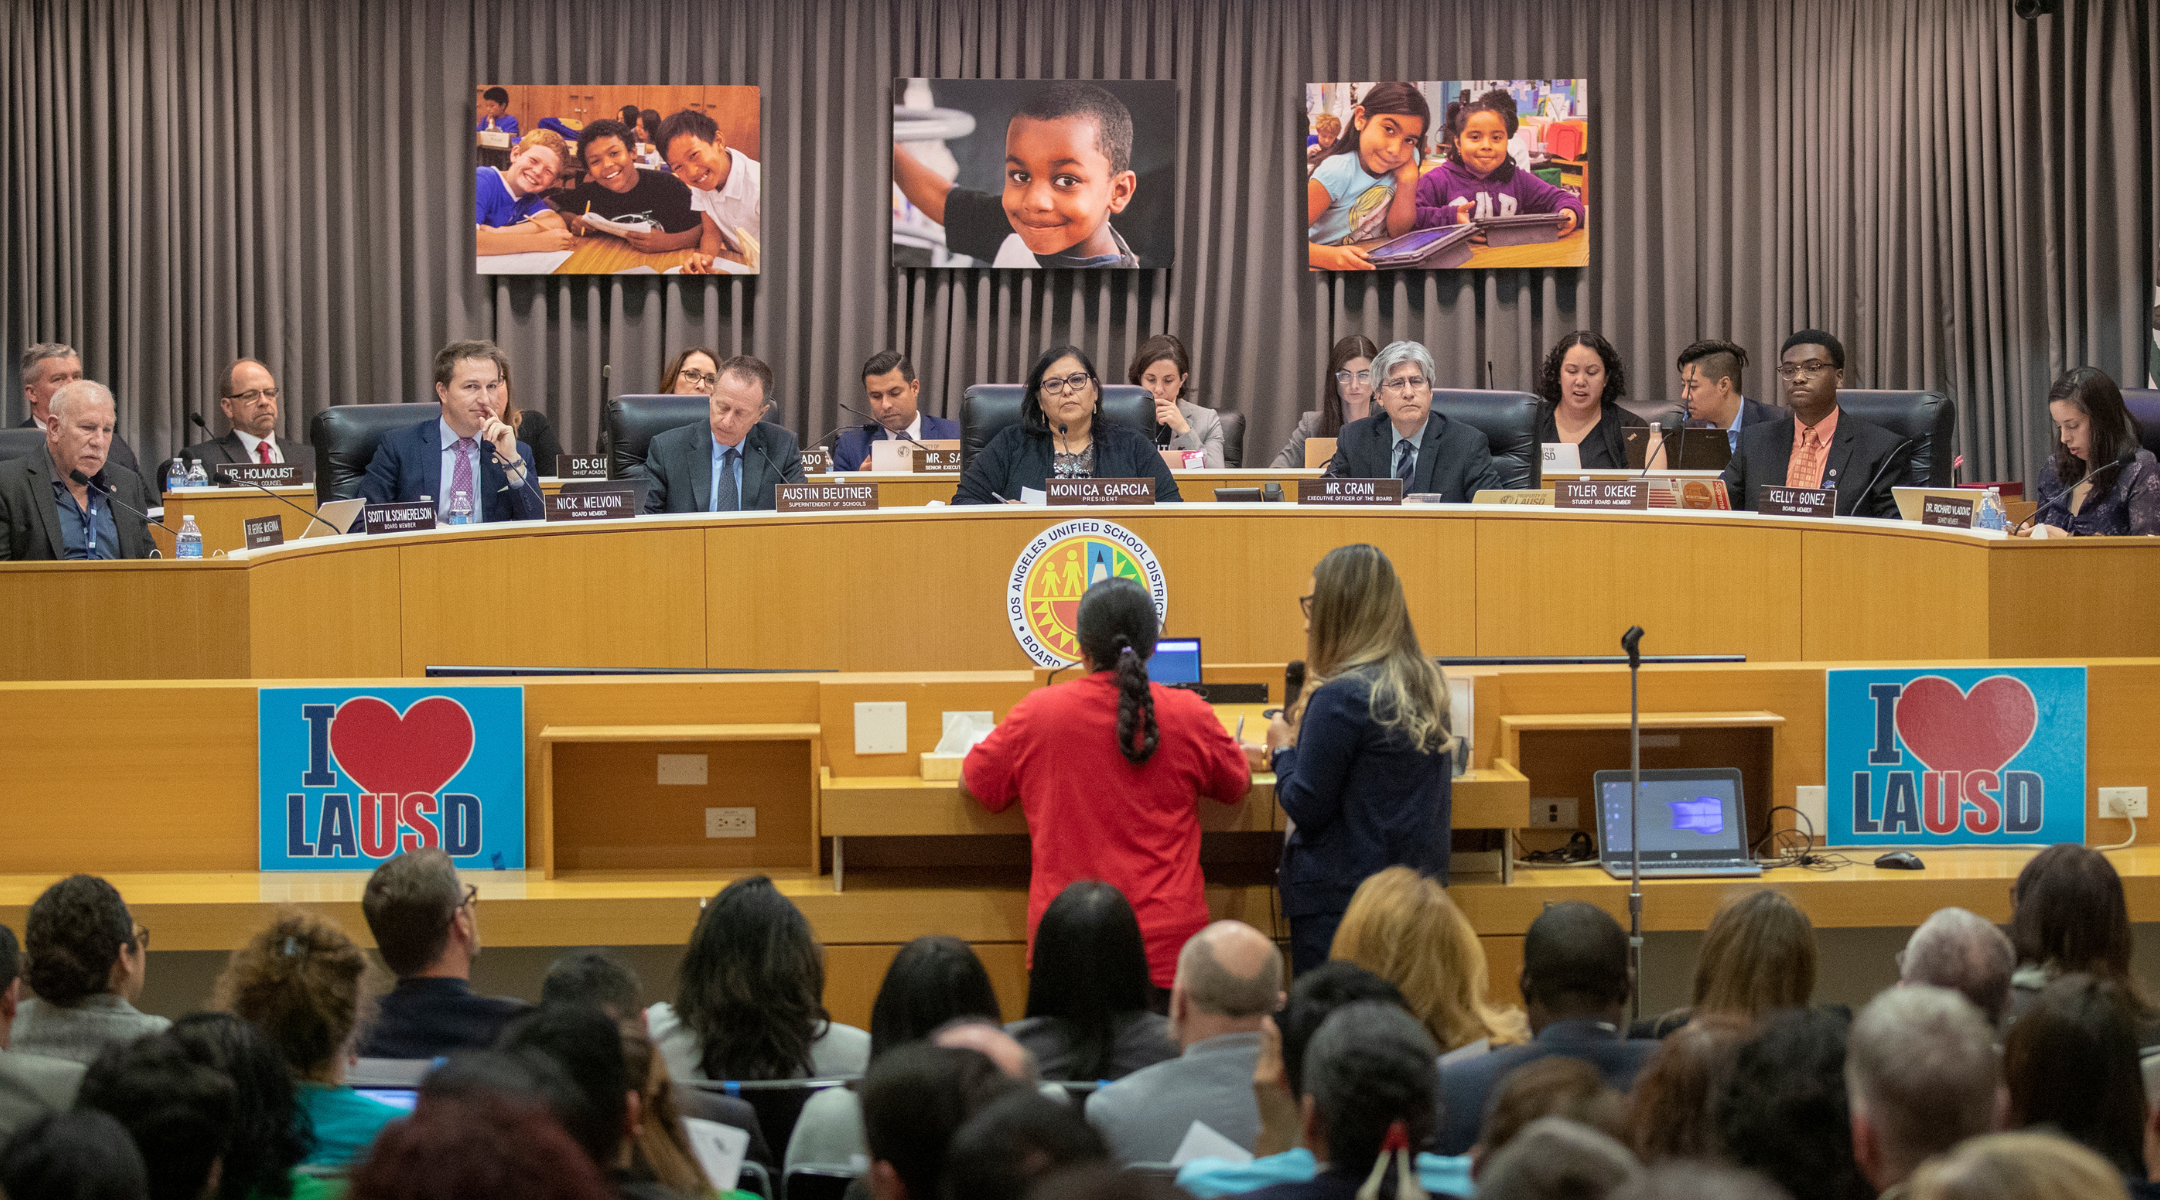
2122,802
1553,812
731,822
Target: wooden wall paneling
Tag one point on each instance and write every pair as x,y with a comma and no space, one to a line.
149,619
333,612
1874,594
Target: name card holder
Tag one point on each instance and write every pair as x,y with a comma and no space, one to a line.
1796,502
1328,490
594,504
825,497
935,461
400,518
266,474
264,532
1060,492
1610,494
1949,512
494,139
816,461
580,466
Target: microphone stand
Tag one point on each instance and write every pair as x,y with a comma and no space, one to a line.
1631,641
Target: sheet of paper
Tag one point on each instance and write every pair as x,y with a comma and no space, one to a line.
539,262
618,228
719,1149
963,730
1203,1142
1029,495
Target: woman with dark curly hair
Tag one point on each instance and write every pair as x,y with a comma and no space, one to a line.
2087,489
85,959
1581,383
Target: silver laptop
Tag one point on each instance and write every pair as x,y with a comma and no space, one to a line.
332,518
1693,823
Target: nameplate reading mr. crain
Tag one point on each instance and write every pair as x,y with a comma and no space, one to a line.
1796,502
263,532
825,497
1057,492
580,466
1349,491
266,474
1601,493
400,518
1949,512
596,504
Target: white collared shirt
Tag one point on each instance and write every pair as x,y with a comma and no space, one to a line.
912,433
249,441
735,204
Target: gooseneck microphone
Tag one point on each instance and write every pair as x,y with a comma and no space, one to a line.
768,462
313,520
2123,461
224,452
110,494
530,482
1887,460
904,435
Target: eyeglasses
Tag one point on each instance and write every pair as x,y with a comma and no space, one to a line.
250,397
142,937
1304,604
1407,383
1071,383
698,378
1353,376
1796,370
472,897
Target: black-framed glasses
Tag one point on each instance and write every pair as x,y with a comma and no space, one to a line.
250,397
472,897
142,937
1304,604
1071,383
698,378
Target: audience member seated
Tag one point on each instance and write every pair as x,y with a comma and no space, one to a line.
2083,490
1088,994
303,982
269,1134
1581,384
2018,1166
1229,980
1782,1109
587,1046
1698,1179
1015,1141
894,396
1757,956
1558,1086
46,368
1712,390
1370,1100
1407,440
691,372
87,959
1961,950
1921,1075
1403,927
1575,986
749,1002
1345,395
660,1146
914,1101
427,928
178,1110
531,426
2068,914
2072,1066
46,514
469,449
79,1155
1558,1159
987,1039
1061,436
1669,1116
1822,446
477,1146
1101,1181
30,1084
597,979
731,462
248,396
1163,368
932,982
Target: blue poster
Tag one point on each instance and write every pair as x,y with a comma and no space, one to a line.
1979,756
349,777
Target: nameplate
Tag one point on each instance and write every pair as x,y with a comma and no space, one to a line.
581,466
1601,493
1948,512
1796,502
263,532
825,497
494,139
1328,490
266,474
400,518
1058,492
816,461
931,462
594,504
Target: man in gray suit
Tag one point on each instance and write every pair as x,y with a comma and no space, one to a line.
1229,979
46,368
733,461
31,1085
46,514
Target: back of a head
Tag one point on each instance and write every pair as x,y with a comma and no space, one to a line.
752,984
1922,1071
1758,956
1782,1109
1403,927
72,938
270,1133
471,1146
1369,1069
80,1155
1102,1181
1015,1141
2018,1166
523,1076
179,1111
300,981
2072,1065
1116,630
932,981
1090,969
2070,913
1669,1111
596,979
1698,1179
588,1047
1554,1158
1314,998
1361,621
11,957
1558,1086
915,1099
1575,959
1961,950
409,904
1230,969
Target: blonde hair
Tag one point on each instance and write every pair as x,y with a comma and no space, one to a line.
1403,927
2018,1166
552,141
1361,623
301,981
660,1146
1758,956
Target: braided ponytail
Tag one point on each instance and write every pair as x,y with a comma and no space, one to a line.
1136,705
1117,631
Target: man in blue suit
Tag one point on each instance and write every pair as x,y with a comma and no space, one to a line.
1575,990
468,450
889,379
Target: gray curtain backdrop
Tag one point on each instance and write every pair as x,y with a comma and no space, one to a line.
1967,198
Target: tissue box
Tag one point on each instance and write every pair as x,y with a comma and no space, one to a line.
941,766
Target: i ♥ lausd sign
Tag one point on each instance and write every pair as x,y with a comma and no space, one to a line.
1971,757
349,777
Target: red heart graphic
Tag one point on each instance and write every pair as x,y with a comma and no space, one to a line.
1971,731
391,755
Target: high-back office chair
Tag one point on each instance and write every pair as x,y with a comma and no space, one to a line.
779,1102
1233,440
21,443
1929,417
2143,403
629,423
344,437
1666,416
987,408
1509,421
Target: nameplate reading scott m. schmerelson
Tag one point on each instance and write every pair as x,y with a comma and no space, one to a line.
825,497
1948,512
400,518
264,532
1601,493
1349,491
1058,492
266,474
1796,502
596,504
581,466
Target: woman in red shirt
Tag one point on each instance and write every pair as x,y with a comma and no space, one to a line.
1107,768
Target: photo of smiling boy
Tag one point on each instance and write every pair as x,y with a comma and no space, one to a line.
617,188
510,204
1480,179
723,183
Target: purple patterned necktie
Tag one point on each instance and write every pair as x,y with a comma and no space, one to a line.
461,475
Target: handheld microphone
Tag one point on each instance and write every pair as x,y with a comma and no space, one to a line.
2123,461
1631,641
110,494
1293,680
1887,460
880,424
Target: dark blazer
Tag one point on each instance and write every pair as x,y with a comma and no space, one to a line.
30,527
1857,454
535,430
678,465
1604,448
853,448
408,465
1467,1086
428,1017
120,452
1453,458
228,450
1017,458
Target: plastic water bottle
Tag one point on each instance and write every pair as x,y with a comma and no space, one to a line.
1992,515
176,473
196,476
188,542
460,509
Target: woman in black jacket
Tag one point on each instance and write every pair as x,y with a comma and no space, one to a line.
1061,436
1581,385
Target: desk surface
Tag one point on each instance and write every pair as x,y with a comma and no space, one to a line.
607,254
1570,251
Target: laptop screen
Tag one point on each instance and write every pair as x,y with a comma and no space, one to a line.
395,1097
1176,660
1683,815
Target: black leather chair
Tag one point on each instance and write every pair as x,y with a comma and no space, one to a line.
344,437
1509,422
629,423
987,408
21,443
2143,403
1233,440
1930,417
1659,413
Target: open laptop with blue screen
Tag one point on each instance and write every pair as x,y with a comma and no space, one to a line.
1692,822
1175,661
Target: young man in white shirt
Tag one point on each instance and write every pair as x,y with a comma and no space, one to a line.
723,185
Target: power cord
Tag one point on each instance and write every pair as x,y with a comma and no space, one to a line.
1794,848
2127,842
1579,851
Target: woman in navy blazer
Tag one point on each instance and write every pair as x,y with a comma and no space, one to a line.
1363,770
408,462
